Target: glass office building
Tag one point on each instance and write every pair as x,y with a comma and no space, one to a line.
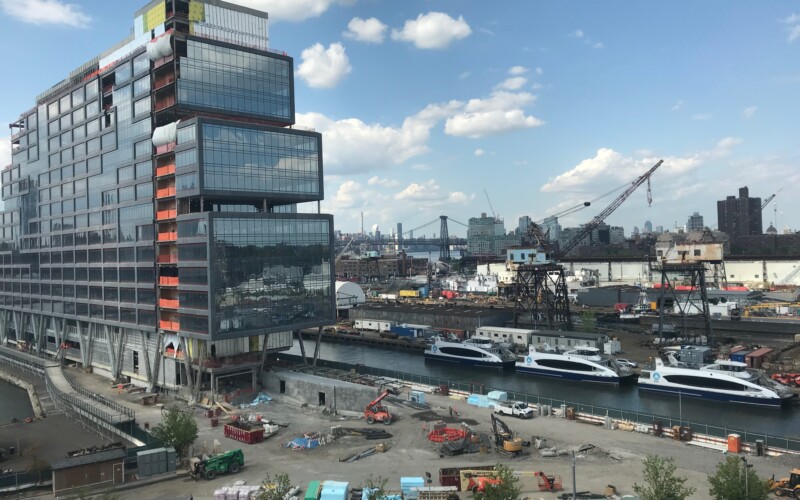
150,206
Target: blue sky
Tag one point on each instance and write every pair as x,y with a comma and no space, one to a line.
423,104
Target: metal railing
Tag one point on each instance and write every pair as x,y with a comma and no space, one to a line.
785,442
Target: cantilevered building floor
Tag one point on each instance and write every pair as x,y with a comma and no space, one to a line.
150,227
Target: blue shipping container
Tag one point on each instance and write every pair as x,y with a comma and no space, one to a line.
739,356
403,332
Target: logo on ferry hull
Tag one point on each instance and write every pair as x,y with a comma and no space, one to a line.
434,348
529,360
656,376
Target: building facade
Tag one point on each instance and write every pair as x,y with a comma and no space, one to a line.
150,227
552,228
740,216
695,223
487,236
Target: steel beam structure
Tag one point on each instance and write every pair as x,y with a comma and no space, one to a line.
694,303
540,297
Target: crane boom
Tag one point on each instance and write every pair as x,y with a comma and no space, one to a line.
490,203
599,218
769,199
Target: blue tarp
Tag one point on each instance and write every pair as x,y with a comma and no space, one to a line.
262,397
302,443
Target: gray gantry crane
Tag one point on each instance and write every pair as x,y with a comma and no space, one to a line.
541,294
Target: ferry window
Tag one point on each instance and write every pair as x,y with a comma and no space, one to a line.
697,253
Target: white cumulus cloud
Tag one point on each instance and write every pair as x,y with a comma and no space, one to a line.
517,70
611,166
577,34
701,116
434,30
479,152
502,112
678,105
750,111
377,181
366,30
42,12
324,68
352,146
432,194
291,10
794,27
513,83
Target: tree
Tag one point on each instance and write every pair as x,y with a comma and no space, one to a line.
36,465
177,429
376,487
735,481
274,488
661,482
506,489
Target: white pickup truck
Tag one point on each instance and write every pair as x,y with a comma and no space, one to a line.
514,408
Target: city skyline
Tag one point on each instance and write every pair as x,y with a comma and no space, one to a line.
541,105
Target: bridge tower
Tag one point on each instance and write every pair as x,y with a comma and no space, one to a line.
444,240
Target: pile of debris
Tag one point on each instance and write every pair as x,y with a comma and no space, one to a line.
366,432
380,448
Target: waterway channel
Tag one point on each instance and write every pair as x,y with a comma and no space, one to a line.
14,402
783,422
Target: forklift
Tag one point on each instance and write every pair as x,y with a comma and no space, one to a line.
376,412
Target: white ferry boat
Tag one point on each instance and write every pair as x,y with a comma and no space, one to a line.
584,364
723,380
477,351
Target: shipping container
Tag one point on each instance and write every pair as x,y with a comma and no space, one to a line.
410,293
335,490
451,476
407,483
740,355
756,358
516,336
247,436
374,325
696,355
313,490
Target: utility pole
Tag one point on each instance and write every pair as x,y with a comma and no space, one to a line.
574,481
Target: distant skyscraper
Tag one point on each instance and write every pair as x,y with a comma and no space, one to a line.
648,227
659,229
635,230
551,224
399,235
524,223
695,223
740,216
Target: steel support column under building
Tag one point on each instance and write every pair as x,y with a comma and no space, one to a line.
540,297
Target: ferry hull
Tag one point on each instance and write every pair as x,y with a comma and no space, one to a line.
714,396
497,365
575,376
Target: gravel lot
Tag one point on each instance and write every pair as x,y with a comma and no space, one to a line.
615,460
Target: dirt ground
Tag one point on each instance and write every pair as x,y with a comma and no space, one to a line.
614,460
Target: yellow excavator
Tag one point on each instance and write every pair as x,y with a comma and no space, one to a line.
786,487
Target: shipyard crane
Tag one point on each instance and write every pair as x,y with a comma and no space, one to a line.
599,218
344,250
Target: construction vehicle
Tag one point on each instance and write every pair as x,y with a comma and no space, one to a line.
209,466
786,487
376,412
504,439
479,483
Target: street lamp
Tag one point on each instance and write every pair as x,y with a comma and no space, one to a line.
746,479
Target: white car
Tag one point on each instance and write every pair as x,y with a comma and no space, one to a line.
626,362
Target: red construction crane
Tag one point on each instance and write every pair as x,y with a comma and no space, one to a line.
599,218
